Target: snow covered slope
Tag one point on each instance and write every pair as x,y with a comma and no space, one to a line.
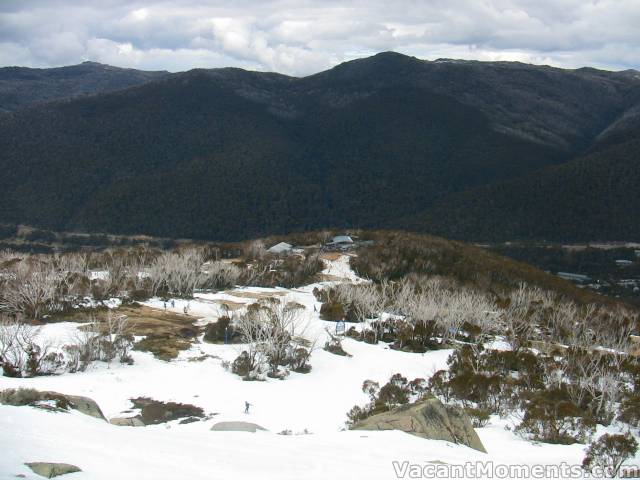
312,405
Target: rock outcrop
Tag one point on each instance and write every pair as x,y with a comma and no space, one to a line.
50,470
50,401
236,427
127,422
430,419
84,405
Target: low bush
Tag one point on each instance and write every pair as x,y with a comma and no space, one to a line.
479,416
334,345
220,331
607,454
397,391
242,365
332,311
630,411
19,397
551,417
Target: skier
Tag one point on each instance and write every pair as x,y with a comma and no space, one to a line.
173,304
246,406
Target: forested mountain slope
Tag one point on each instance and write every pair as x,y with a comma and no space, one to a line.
22,87
226,153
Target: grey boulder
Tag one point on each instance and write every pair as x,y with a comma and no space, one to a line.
127,422
50,469
236,427
429,419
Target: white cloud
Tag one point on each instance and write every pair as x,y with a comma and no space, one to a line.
305,36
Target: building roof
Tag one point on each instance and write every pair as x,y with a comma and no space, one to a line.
574,276
280,247
342,239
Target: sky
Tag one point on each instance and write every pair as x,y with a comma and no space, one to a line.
301,37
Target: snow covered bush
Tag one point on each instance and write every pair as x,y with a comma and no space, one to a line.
607,454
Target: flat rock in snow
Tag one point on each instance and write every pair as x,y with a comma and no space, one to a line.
236,427
51,469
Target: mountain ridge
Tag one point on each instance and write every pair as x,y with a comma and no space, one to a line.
229,153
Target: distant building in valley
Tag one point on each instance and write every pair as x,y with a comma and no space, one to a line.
624,263
282,247
574,277
340,242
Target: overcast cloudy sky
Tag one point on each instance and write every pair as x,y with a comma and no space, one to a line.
305,36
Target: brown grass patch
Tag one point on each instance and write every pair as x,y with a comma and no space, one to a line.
255,295
167,333
325,277
331,256
232,305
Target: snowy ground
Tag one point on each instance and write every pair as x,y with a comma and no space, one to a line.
316,402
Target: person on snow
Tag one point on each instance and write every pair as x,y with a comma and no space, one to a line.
246,407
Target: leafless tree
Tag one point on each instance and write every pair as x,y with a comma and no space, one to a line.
219,274
177,273
115,337
366,300
21,354
255,250
31,288
85,346
99,341
274,334
517,317
252,333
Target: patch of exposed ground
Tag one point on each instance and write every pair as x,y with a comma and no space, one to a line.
167,333
153,412
256,295
331,256
230,304
325,277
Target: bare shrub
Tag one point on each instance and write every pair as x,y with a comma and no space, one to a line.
255,250
220,275
177,273
30,289
273,334
21,355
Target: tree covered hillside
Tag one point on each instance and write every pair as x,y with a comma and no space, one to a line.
387,141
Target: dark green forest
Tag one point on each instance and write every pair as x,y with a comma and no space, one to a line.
470,150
